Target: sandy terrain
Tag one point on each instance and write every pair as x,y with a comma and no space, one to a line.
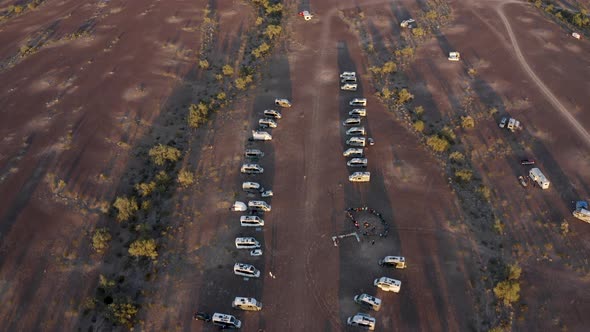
82,108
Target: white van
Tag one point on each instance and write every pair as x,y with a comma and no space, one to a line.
258,135
393,261
537,176
226,321
368,301
247,243
348,74
252,169
356,141
354,153
253,153
246,303
362,320
259,205
357,162
252,186
251,220
348,87
352,122
358,102
360,177
358,112
388,284
246,270
356,131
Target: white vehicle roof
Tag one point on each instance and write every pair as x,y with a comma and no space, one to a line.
386,283
246,240
250,185
251,166
356,129
225,318
393,259
249,218
239,206
358,161
353,151
245,300
368,299
245,267
252,203
348,74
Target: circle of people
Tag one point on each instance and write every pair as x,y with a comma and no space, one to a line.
367,225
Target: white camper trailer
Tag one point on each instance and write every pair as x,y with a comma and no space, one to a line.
536,175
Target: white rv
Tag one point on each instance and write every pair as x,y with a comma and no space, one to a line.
258,135
360,177
537,176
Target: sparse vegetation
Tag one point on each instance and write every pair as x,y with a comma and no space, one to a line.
273,31
464,175
438,144
126,208
467,122
242,82
227,70
457,156
160,154
123,313
204,64
101,239
419,111
499,226
261,50
185,178
144,248
472,72
419,126
404,96
508,291
197,114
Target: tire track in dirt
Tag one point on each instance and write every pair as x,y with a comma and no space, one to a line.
544,89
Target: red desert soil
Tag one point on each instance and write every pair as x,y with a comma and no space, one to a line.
76,107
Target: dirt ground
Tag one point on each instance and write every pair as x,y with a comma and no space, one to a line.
77,109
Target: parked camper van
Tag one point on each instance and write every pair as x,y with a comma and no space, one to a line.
356,141
252,169
356,131
253,153
358,112
247,243
251,221
246,270
393,261
388,284
358,102
353,152
366,300
226,321
360,177
357,162
258,135
537,176
282,102
348,87
352,122
362,320
273,114
267,123
247,303
259,205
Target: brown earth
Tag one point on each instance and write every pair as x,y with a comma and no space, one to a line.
80,108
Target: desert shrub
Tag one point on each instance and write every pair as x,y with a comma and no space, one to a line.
221,96
467,122
389,67
497,329
493,111
565,228
204,64
472,72
485,192
162,153
126,207
499,226
185,178
227,70
101,239
162,179
406,52
219,77
32,5
432,15
197,114
581,19
507,291
457,156
514,272
419,111
538,3
448,133
261,50
418,32
437,143
273,31
104,282
143,248
464,175
404,96
419,126
550,8
273,9
242,82
18,9
122,313
259,21
146,205
386,93
144,189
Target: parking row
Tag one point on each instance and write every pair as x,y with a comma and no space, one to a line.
252,212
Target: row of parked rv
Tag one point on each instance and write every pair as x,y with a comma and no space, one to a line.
369,302
253,210
357,140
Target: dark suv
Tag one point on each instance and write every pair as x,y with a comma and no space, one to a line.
202,316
